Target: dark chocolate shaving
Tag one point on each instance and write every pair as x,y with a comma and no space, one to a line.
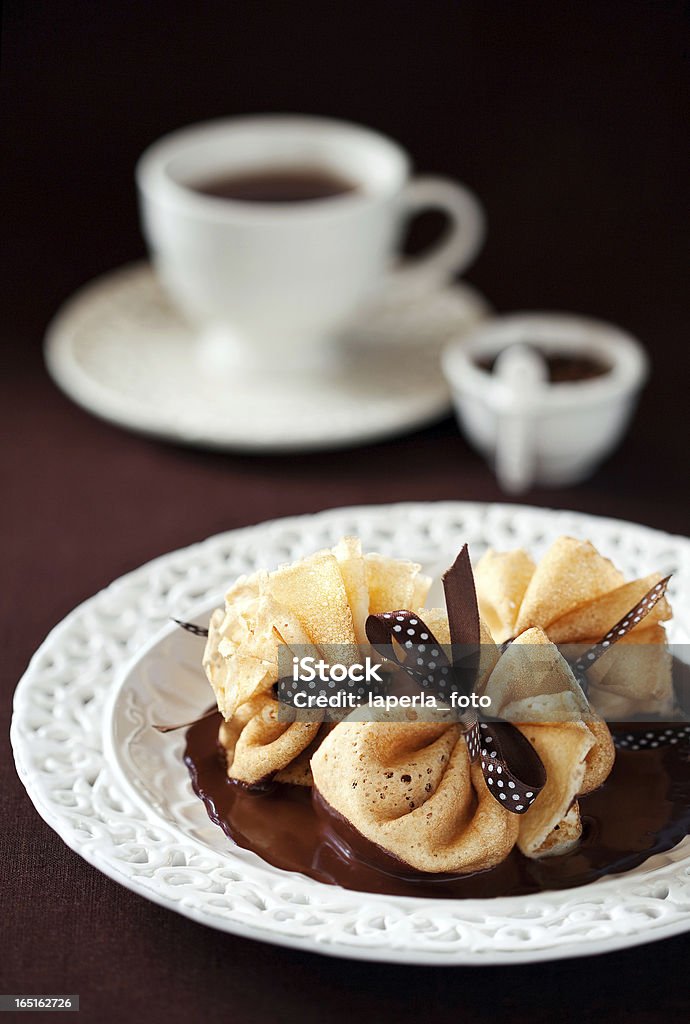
191,627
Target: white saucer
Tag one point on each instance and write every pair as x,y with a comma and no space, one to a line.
120,350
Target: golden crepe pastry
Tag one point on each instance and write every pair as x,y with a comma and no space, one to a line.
409,787
319,604
576,595
260,747
533,687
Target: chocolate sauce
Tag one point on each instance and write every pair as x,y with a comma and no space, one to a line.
562,367
643,808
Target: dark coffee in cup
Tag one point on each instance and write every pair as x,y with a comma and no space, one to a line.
278,185
271,232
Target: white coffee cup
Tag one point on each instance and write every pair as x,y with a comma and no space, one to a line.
272,283
537,433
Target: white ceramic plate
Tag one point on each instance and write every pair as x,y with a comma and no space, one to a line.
119,794
121,350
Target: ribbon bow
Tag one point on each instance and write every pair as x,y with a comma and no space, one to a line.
511,767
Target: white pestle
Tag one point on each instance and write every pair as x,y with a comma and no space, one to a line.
521,375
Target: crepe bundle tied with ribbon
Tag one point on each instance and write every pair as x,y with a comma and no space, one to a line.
318,605
411,787
458,798
576,596
440,796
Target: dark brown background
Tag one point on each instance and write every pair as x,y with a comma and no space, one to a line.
570,120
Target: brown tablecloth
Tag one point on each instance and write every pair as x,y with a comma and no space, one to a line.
570,125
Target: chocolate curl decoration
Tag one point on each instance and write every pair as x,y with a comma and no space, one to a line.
192,628
621,629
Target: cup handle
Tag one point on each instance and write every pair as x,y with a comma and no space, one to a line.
460,242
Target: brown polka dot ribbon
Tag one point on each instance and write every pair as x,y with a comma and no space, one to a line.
425,659
652,739
462,607
621,629
192,628
512,768
639,739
